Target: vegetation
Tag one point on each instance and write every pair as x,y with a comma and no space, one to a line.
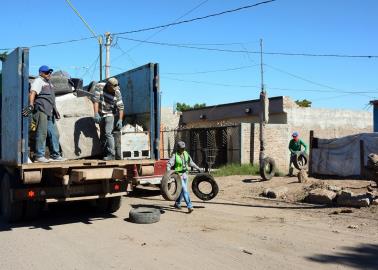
184,107
303,103
3,56
237,169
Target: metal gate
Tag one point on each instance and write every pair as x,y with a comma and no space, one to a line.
209,147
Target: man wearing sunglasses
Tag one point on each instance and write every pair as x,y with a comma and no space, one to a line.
42,106
108,106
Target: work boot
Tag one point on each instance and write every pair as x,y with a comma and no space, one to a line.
190,210
177,206
108,157
41,159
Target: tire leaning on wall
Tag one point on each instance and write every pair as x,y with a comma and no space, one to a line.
170,178
267,168
204,177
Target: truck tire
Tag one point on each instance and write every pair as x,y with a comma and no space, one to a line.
114,204
171,180
108,205
11,211
204,177
33,209
267,168
144,215
301,161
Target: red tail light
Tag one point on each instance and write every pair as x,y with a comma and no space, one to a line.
31,194
116,187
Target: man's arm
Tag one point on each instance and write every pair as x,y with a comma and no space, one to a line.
171,162
32,96
95,107
304,145
290,147
192,164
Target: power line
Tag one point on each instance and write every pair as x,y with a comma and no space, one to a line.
273,88
210,71
162,29
246,51
316,83
196,19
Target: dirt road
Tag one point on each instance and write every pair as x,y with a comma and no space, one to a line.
234,231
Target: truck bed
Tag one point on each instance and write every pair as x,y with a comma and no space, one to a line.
79,163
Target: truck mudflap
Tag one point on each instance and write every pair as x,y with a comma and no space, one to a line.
104,189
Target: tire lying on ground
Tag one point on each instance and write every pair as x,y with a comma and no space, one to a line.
144,215
267,168
204,177
171,186
301,161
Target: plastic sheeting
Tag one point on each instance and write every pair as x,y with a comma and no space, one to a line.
341,156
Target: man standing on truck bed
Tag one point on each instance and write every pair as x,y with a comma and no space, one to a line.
107,103
181,161
45,114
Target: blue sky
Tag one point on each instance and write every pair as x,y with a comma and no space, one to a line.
347,27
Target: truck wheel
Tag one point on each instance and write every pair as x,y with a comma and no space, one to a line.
114,204
108,205
204,177
267,168
301,160
11,211
171,186
33,209
144,215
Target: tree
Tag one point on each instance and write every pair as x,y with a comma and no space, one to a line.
184,107
303,103
3,56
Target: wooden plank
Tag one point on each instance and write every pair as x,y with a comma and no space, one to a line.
82,163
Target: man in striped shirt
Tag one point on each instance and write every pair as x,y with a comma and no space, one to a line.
108,106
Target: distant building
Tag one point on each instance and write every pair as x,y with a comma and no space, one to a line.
285,116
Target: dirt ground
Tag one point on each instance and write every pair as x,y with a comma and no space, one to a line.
237,230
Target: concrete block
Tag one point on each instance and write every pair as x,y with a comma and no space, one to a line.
277,192
320,196
347,198
79,135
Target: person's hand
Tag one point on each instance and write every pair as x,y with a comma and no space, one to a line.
27,110
97,118
56,114
119,124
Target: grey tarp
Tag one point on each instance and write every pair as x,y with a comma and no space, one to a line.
341,156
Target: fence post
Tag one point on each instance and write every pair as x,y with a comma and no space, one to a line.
362,160
310,153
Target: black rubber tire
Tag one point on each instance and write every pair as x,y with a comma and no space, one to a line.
33,209
144,215
165,185
108,205
204,177
301,161
114,204
267,168
11,211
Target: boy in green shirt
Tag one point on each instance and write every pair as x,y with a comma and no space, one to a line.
295,146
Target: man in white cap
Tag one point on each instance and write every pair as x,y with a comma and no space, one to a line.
108,106
42,106
180,162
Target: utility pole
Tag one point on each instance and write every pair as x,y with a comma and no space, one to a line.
99,38
263,107
107,63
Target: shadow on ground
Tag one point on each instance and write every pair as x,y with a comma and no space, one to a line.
60,214
364,256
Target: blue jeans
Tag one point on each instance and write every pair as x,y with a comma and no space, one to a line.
184,192
46,129
106,135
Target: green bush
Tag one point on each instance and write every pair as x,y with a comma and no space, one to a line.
237,169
